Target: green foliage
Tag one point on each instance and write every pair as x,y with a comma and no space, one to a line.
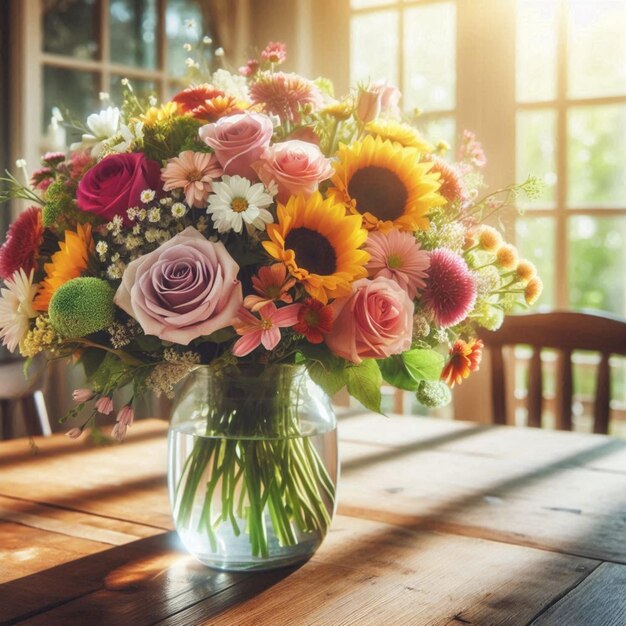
364,382
405,371
326,369
111,374
168,138
60,211
82,306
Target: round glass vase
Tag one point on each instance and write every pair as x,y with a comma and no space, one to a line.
253,466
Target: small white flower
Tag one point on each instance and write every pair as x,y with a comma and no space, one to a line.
154,214
152,101
104,96
115,257
167,202
142,214
114,271
219,52
179,209
189,62
16,308
132,213
147,196
136,229
207,41
151,235
125,82
102,248
20,164
103,126
236,201
187,47
128,136
233,84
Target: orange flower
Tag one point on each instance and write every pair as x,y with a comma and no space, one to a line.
271,284
70,261
464,359
314,319
211,110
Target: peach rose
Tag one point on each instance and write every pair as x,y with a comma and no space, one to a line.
378,98
375,322
238,141
295,166
186,288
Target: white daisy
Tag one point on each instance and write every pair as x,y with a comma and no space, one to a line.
179,209
16,308
236,201
103,126
147,196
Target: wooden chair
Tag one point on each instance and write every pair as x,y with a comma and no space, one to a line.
26,393
563,331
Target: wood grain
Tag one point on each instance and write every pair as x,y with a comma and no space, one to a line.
598,601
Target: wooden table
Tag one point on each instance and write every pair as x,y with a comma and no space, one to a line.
439,523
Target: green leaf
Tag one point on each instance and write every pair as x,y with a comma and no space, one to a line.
423,364
111,374
91,358
325,368
395,373
364,382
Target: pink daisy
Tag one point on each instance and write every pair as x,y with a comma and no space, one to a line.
452,185
284,94
275,52
396,255
194,172
270,283
450,289
266,330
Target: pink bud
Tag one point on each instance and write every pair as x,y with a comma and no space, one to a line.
74,433
368,105
82,395
126,415
119,431
104,405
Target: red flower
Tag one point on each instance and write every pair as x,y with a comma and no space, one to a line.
190,100
464,359
23,240
314,318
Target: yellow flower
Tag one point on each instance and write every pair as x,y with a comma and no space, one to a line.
386,184
340,110
70,261
404,134
165,112
319,245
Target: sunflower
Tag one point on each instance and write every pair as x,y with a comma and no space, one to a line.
68,262
319,245
386,184
398,132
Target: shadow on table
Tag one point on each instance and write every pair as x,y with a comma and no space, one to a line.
138,583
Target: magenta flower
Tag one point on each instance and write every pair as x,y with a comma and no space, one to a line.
264,331
450,290
398,256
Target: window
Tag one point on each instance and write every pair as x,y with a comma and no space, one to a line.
88,46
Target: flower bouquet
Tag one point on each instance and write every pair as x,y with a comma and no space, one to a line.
274,240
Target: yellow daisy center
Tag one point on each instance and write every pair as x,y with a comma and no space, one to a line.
312,250
238,205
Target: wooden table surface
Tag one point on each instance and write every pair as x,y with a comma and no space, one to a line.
438,523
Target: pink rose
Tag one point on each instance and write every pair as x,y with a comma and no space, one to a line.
375,322
186,288
238,141
389,96
114,185
378,98
295,166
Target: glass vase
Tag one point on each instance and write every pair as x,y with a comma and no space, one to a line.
253,466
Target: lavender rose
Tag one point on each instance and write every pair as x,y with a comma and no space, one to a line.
238,141
114,185
375,322
186,288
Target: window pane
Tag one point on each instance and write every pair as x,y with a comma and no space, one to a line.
70,28
536,49
184,24
597,258
535,238
430,57
597,48
142,88
596,156
361,4
439,129
535,148
74,93
133,32
372,56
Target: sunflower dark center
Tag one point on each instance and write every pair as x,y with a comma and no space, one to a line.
378,191
313,251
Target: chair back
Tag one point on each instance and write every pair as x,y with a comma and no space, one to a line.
565,332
